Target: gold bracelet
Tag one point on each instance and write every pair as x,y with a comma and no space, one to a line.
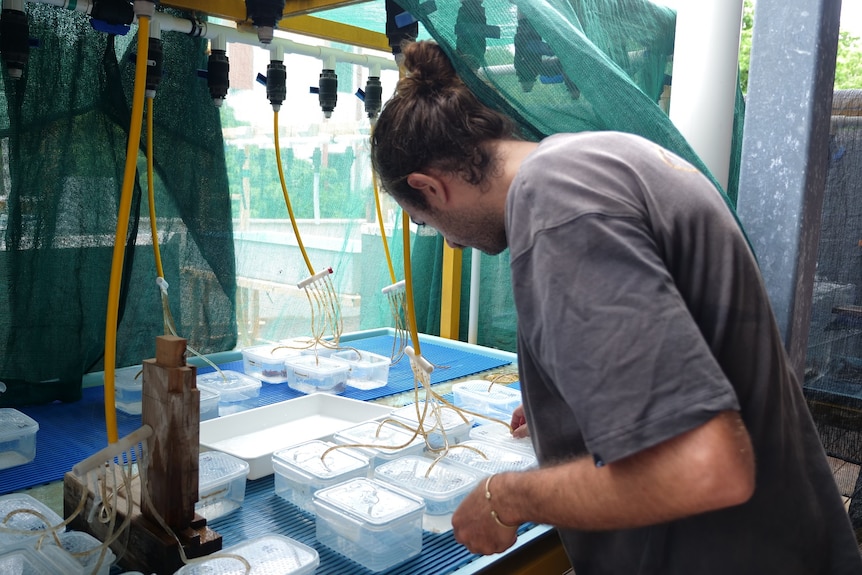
494,513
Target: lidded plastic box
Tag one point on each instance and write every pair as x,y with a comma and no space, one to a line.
221,484
454,424
497,433
381,442
209,403
24,559
487,458
237,391
486,398
370,522
268,555
86,550
30,524
300,471
310,374
443,485
17,438
266,362
128,389
367,370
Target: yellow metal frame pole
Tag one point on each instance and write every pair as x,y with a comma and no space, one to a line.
450,304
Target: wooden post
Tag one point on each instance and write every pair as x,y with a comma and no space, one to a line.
171,406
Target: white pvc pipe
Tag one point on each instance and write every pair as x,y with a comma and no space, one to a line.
210,31
705,66
473,317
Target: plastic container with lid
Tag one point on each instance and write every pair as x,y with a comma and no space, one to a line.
486,398
455,425
311,374
488,458
266,362
381,442
300,471
23,526
221,484
17,438
237,391
268,555
87,551
25,559
370,522
209,403
443,485
367,370
128,389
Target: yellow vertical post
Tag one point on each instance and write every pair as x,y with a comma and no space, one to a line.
450,304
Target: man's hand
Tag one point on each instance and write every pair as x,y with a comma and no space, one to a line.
519,423
475,528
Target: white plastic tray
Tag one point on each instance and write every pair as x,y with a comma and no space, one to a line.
254,435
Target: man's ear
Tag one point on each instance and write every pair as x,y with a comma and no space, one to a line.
432,187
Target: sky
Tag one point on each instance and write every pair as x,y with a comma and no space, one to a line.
851,14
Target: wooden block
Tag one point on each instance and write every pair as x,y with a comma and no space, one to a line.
170,351
171,406
146,547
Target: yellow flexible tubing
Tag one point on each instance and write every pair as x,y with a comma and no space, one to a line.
408,285
123,227
286,197
382,227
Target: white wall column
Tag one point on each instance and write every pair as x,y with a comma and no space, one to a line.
705,69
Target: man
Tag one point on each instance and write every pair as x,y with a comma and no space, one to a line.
672,434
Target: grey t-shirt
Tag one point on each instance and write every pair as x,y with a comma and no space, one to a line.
641,315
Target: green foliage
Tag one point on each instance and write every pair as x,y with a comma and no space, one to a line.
745,43
254,169
848,65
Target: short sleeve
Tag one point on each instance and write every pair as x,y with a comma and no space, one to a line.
601,314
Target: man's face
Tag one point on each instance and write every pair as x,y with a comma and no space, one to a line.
468,226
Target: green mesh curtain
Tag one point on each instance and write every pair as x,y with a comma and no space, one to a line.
557,66
63,131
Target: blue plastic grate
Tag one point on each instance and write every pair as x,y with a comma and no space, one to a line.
263,512
70,432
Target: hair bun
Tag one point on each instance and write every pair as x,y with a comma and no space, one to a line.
427,69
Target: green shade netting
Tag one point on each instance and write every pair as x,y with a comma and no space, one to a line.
64,130
558,66
227,246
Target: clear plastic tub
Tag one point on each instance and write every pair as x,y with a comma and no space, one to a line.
370,522
30,524
24,559
486,398
17,438
310,374
443,487
128,389
367,370
86,550
266,362
237,391
209,403
221,484
382,442
489,458
300,471
267,555
497,433
454,424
